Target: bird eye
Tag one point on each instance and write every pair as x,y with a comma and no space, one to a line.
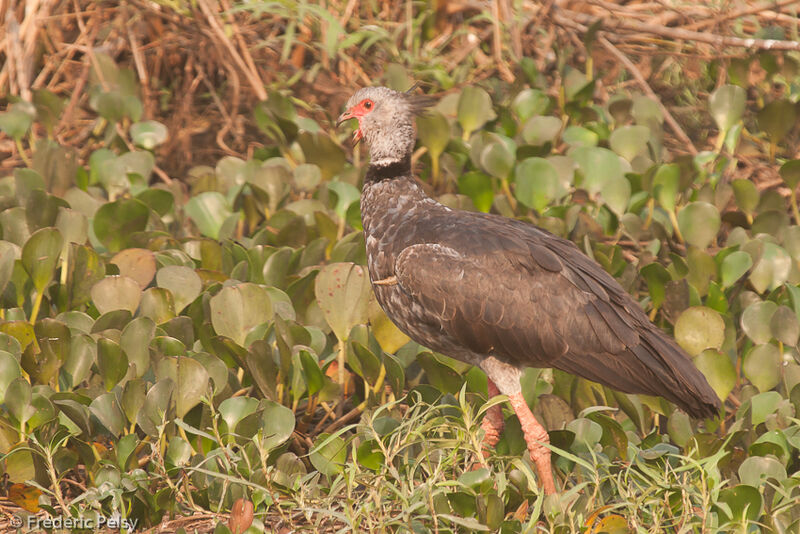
368,104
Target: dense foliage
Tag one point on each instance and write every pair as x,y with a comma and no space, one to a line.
170,347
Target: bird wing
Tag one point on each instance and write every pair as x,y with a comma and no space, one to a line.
507,288
514,298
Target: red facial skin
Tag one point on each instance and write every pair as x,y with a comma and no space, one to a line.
356,112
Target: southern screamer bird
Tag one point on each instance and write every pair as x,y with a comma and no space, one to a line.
499,293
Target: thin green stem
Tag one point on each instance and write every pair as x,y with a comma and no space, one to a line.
22,152
36,305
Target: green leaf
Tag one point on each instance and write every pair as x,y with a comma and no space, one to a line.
313,374
734,266
530,102
497,159
478,187
40,256
616,194
107,410
116,293
209,211
474,109
115,222
112,362
277,424
699,328
183,282
665,185
744,502
747,195
755,470
237,309
17,119
718,370
777,119
541,129
629,141
599,167
756,320
785,326
790,172
190,378
699,223
726,105
9,371
434,132
148,134
762,366
772,269
329,454
342,291
537,183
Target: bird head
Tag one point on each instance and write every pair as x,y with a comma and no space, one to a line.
385,121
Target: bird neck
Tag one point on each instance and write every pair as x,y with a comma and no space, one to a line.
388,169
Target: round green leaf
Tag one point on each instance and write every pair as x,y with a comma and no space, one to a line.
183,282
599,167
743,501
756,320
747,196
734,266
277,424
116,293
190,378
665,185
478,187
726,105
790,172
530,102
148,134
474,109
40,256
107,410
718,370
115,222
755,470
111,361
762,366
536,183
785,326
497,159
237,309
434,132
342,291
329,454
579,136
629,141
777,119
541,129
208,210
699,223
9,371
699,328
616,194
772,269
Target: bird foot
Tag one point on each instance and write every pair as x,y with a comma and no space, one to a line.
390,281
535,436
493,422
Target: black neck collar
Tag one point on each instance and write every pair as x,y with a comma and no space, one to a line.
377,172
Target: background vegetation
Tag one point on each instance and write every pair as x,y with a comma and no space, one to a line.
181,273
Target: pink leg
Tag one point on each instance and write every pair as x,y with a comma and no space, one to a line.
493,422
535,436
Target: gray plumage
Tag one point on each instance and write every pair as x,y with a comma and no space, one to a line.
472,285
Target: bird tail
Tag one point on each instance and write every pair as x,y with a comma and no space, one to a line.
678,380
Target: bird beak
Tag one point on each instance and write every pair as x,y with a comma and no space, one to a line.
347,115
